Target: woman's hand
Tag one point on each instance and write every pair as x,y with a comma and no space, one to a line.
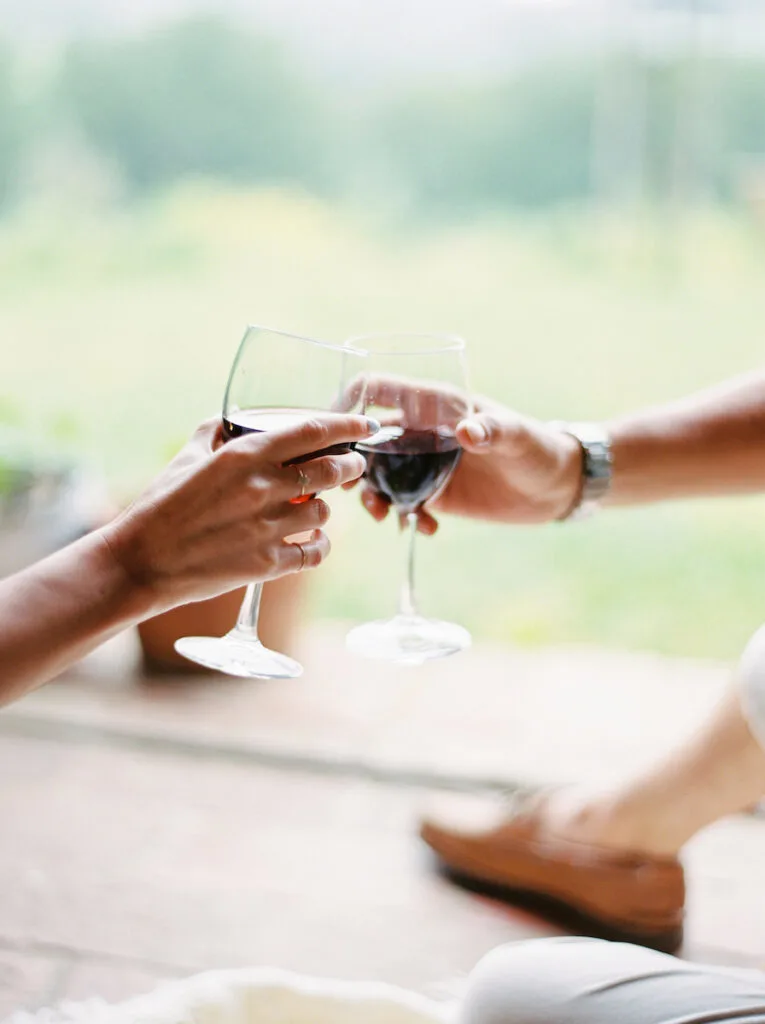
218,515
513,469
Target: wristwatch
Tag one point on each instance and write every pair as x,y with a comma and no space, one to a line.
597,466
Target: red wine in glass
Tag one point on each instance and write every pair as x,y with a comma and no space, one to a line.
407,467
257,421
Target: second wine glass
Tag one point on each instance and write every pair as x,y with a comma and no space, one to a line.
416,387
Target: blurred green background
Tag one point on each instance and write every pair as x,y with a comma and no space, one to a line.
589,212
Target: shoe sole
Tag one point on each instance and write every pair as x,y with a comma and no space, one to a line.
560,912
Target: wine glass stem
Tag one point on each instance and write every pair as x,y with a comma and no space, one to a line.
247,621
407,603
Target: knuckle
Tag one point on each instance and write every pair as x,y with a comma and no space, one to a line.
269,558
492,427
271,519
314,432
330,473
318,552
354,464
234,456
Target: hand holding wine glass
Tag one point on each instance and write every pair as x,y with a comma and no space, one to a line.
219,516
513,469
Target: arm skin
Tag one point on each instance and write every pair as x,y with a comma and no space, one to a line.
712,443
59,609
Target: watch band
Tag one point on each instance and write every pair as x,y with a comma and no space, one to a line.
597,466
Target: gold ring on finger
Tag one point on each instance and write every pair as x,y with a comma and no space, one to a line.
302,556
302,480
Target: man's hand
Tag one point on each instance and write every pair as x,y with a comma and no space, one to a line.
513,470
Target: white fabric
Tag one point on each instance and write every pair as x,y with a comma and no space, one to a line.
254,996
587,981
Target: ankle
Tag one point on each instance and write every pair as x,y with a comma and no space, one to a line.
616,822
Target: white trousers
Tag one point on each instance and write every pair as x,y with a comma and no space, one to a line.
587,981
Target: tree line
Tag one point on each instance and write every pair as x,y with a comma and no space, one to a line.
202,97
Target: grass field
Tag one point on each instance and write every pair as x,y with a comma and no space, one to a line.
118,328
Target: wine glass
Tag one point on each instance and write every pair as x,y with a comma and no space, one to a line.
276,380
416,387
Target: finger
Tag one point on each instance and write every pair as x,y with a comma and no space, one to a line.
480,433
324,430
427,524
320,474
352,395
375,504
305,555
209,433
424,404
311,515
389,390
378,507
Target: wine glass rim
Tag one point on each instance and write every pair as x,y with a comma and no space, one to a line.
450,342
303,337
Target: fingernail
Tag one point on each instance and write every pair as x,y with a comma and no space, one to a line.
372,425
477,433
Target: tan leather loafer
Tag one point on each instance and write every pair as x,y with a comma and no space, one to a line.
593,890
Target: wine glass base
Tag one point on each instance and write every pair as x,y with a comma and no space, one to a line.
407,639
248,659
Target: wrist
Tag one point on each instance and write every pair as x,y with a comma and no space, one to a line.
566,490
135,593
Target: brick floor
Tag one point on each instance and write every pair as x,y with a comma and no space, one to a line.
155,830
176,865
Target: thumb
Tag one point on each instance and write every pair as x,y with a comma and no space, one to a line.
209,433
478,433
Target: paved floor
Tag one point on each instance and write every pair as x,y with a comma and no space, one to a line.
152,830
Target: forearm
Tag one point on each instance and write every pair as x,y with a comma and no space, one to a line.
59,609
712,443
